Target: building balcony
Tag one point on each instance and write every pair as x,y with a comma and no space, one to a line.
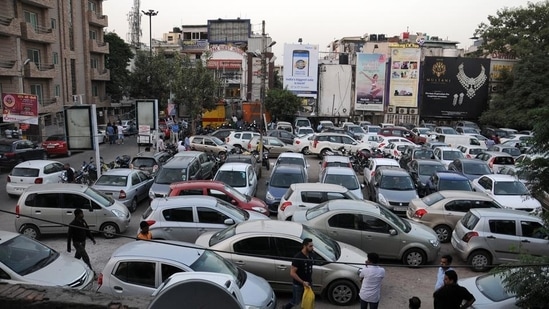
37,33
102,101
100,74
98,19
42,70
9,26
8,67
41,3
99,47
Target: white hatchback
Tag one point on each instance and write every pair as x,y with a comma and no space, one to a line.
508,191
33,172
240,176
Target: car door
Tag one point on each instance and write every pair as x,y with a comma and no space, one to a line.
46,212
256,254
53,172
276,147
145,182
286,137
342,226
198,143
209,220
534,238
377,233
133,277
206,166
455,210
502,239
71,201
180,224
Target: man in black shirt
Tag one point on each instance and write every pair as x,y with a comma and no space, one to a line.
69,173
451,295
301,272
78,230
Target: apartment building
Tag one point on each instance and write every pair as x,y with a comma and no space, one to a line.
54,49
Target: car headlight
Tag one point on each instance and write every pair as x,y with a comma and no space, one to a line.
269,197
151,194
259,209
434,242
382,200
118,213
251,307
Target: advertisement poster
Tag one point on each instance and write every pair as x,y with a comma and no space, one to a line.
301,69
20,107
455,87
404,78
370,82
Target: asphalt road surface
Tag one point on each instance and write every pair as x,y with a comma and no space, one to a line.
399,284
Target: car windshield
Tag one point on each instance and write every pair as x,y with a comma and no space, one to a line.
323,244
217,141
429,169
232,178
168,176
512,151
401,183
432,198
222,235
460,185
143,162
390,216
24,255
451,154
449,131
237,195
210,262
510,188
239,159
235,212
423,130
423,154
348,181
25,172
304,131
492,287
284,180
112,180
291,160
476,169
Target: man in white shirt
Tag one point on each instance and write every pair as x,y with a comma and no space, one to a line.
445,262
160,146
372,275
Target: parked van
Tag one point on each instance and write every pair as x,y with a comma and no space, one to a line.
454,140
301,122
283,125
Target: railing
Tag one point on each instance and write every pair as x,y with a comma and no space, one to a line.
5,21
48,101
7,64
45,66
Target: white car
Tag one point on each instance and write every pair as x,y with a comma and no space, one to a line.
489,292
240,176
304,131
374,164
33,172
303,143
470,151
395,149
447,155
372,139
293,158
507,191
385,140
344,176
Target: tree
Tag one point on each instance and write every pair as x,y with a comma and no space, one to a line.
519,33
281,102
117,62
152,77
195,87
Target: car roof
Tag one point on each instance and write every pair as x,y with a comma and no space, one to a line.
450,175
119,171
353,205
291,155
179,162
35,163
186,200
336,158
428,162
240,157
321,187
293,168
270,226
198,183
501,177
464,194
332,134
234,166
503,213
183,252
393,172
447,148
188,153
44,188
384,161
497,153
467,160
340,170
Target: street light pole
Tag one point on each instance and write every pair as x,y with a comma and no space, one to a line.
150,13
262,90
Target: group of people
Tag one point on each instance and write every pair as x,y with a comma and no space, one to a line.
115,132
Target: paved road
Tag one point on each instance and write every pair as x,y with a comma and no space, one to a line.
400,283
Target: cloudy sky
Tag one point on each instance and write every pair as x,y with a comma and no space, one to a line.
317,22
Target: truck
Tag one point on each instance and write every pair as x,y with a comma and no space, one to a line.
215,117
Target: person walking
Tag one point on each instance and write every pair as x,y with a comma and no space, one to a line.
372,275
120,131
78,231
175,133
452,295
69,173
445,262
144,234
187,142
160,145
301,272
110,133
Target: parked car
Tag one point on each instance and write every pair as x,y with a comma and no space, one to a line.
56,145
176,170
293,158
26,261
150,162
184,218
246,158
447,180
326,124
421,170
240,139
412,153
331,142
343,176
222,133
334,160
33,172
443,209
510,149
368,225
271,144
129,127
221,191
446,155
470,168
283,135
15,151
128,186
496,160
394,150
446,131
304,131
396,131
281,178
303,143
306,195
207,164
258,246
301,122
470,151
486,237
284,125
210,144
374,164
490,292
137,268
385,140
240,176
49,208
392,188
466,130
508,191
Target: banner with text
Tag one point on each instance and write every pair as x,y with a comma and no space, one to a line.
404,80
301,69
20,107
370,81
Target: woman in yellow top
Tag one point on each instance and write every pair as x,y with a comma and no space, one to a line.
144,234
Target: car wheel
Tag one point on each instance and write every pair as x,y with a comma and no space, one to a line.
109,230
30,231
414,257
305,151
323,152
444,233
133,205
479,260
341,292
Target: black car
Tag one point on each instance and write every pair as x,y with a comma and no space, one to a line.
421,170
246,158
413,152
470,168
222,133
283,135
447,180
150,161
15,151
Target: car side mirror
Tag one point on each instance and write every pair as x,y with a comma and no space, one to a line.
228,221
354,143
392,232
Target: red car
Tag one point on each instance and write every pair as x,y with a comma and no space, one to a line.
56,145
219,190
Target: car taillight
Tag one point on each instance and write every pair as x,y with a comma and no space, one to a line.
284,205
491,163
297,141
226,139
17,211
469,235
151,222
350,165
249,146
9,154
39,181
372,174
381,145
315,142
100,279
420,213
122,194
395,153
468,156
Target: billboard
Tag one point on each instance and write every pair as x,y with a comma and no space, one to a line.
301,69
370,82
404,77
20,107
335,90
455,87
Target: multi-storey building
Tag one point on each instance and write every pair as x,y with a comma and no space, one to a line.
54,49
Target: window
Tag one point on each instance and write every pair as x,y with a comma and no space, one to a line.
207,215
45,200
93,34
506,227
168,270
312,197
373,224
140,273
32,18
254,246
135,179
53,23
55,58
95,90
183,214
73,201
533,229
345,221
37,90
92,6
34,56
287,248
191,192
460,206
94,62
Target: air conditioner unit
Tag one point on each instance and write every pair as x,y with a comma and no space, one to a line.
403,110
75,98
412,111
391,110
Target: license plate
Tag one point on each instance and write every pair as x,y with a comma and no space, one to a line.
400,208
51,146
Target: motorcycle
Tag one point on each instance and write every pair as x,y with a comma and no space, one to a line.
122,161
265,160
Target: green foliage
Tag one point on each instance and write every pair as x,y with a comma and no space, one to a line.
281,102
117,62
151,78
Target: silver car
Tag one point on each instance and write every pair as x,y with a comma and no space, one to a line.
367,225
128,186
240,176
184,218
343,176
137,268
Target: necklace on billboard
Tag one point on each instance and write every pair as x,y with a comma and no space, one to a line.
471,84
